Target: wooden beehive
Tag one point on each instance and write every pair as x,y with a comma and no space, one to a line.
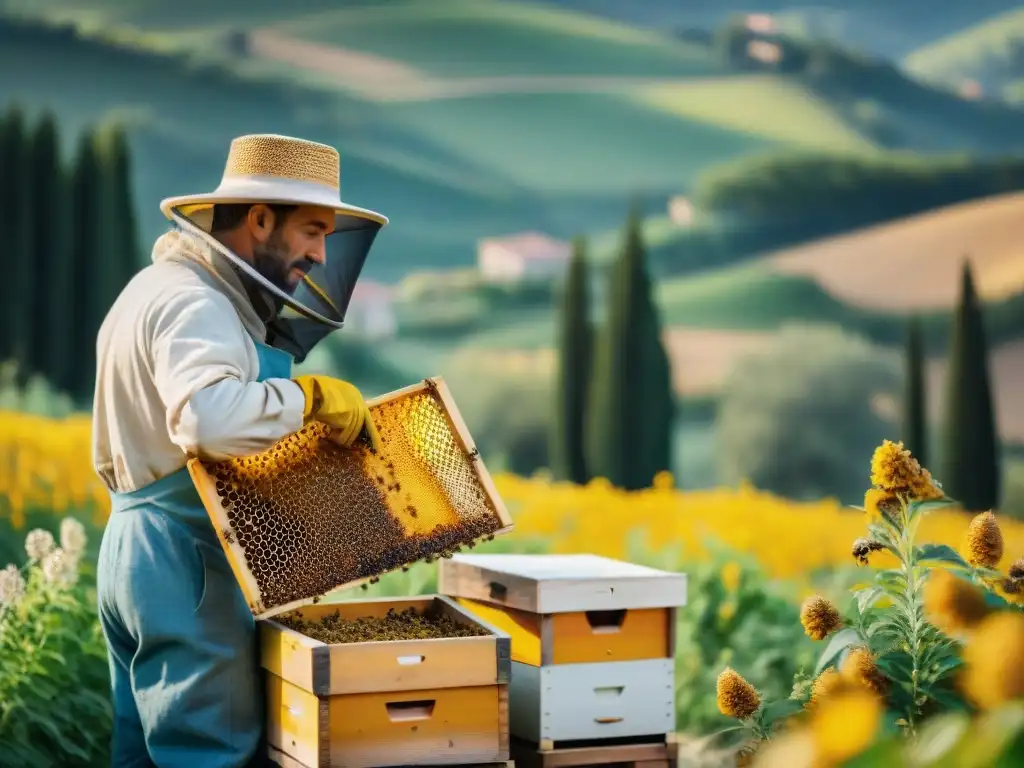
593,640
441,701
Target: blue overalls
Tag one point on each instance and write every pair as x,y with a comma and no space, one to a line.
184,659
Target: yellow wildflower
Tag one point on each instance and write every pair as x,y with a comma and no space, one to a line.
819,617
859,668
845,726
735,696
984,541
730,575
994,660
951,603
923,487
893,469
1016,571
826,684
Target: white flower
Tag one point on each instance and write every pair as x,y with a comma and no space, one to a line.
39,544
72,536
12,585
60,568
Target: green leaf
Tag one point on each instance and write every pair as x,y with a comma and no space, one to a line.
892,581
937,737
866,598
896,665
997,601
925,507
778,710
940,554
839,642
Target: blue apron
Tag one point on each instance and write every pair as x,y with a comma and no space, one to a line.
184,659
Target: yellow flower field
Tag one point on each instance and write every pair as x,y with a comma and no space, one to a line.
45,463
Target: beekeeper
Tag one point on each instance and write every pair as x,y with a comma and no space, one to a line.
195,358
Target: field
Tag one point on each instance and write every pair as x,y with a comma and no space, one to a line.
982,51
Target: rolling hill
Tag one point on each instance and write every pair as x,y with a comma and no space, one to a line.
984,51
914,264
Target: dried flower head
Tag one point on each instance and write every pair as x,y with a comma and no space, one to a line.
845,725
994,660
859,668
827,684
735,696
12,585
984,541
862,549
819,617
72,536
39,543
951,603
1016,571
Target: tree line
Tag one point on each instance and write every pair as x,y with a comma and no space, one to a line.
614,403
71,245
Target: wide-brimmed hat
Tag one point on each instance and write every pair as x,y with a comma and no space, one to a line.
268,168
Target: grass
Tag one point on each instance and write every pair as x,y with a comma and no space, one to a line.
980,49
481,38
765,106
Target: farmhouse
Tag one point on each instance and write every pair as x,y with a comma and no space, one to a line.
525,256
371,309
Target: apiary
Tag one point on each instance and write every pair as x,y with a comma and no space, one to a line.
391,682
593,640
308,517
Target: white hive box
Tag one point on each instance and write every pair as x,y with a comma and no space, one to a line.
593,640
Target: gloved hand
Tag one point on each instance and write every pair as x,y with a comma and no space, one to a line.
339,405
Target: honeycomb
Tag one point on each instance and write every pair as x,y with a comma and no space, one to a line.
409,624
310,516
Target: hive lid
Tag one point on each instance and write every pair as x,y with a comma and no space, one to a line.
308,517
560,583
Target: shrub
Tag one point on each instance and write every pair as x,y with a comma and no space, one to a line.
54,680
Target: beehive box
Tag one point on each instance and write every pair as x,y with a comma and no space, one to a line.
308,517
593,640
386,702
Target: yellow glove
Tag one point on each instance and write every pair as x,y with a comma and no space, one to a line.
340,406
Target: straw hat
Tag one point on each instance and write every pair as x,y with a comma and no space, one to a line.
267,168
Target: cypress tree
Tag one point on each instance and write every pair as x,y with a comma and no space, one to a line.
15,201
915,432
52,289
568,460
970,469
88,261
120,212
630,413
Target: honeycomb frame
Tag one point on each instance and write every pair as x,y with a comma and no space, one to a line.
205,474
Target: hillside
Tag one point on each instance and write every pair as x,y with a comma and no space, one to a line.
989,52
914,263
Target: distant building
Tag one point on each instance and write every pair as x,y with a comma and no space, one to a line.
529,255
680,211
371,310
760,22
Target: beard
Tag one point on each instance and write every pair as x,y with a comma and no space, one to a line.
272,261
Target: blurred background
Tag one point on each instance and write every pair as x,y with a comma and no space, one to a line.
683,264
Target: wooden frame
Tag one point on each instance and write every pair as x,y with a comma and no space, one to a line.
206,487
632,753
280,759
386,665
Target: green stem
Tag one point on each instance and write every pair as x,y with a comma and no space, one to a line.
913,610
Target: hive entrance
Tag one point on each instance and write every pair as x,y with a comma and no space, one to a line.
308,517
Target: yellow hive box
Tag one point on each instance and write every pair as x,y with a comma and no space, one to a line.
439,701
569,609
593,642
308,517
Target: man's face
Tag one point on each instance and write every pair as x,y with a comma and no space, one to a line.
293,246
